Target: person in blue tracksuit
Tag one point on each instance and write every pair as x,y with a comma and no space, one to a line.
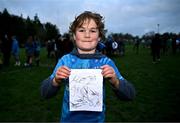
15,50
87,29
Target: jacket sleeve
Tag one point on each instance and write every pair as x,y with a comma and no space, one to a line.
47,89
126,90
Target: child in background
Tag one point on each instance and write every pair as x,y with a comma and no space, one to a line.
15,51
37,49
29,49
87,30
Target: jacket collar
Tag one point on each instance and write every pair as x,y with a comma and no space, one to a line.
96,55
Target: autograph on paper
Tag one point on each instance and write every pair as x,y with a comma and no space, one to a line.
86,90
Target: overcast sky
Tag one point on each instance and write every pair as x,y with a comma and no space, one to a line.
136,17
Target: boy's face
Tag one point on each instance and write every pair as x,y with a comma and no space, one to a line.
86,37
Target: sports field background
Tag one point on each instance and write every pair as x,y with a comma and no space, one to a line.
157,86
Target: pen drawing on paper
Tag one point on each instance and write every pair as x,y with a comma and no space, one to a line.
85,90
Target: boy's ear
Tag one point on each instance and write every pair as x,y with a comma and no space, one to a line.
99,39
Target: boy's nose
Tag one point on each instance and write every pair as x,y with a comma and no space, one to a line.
87,34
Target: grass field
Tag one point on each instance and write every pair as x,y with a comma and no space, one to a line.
157,86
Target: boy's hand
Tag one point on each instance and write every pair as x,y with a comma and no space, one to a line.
108,72
62,73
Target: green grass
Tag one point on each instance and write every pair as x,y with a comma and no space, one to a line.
157,86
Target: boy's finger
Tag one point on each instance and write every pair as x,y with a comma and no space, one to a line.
66,68
104,66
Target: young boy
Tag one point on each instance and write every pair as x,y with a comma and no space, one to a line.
87,30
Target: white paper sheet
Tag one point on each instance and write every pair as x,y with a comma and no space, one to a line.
86,90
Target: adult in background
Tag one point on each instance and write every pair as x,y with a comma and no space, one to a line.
136,45
155,48
6,49
174,46
67,44
101,47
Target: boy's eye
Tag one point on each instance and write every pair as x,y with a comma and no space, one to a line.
81,30
91,30
94,30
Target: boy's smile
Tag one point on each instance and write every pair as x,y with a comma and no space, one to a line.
86,37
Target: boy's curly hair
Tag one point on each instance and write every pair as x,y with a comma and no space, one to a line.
87,15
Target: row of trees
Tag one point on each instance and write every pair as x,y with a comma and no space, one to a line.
22,28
